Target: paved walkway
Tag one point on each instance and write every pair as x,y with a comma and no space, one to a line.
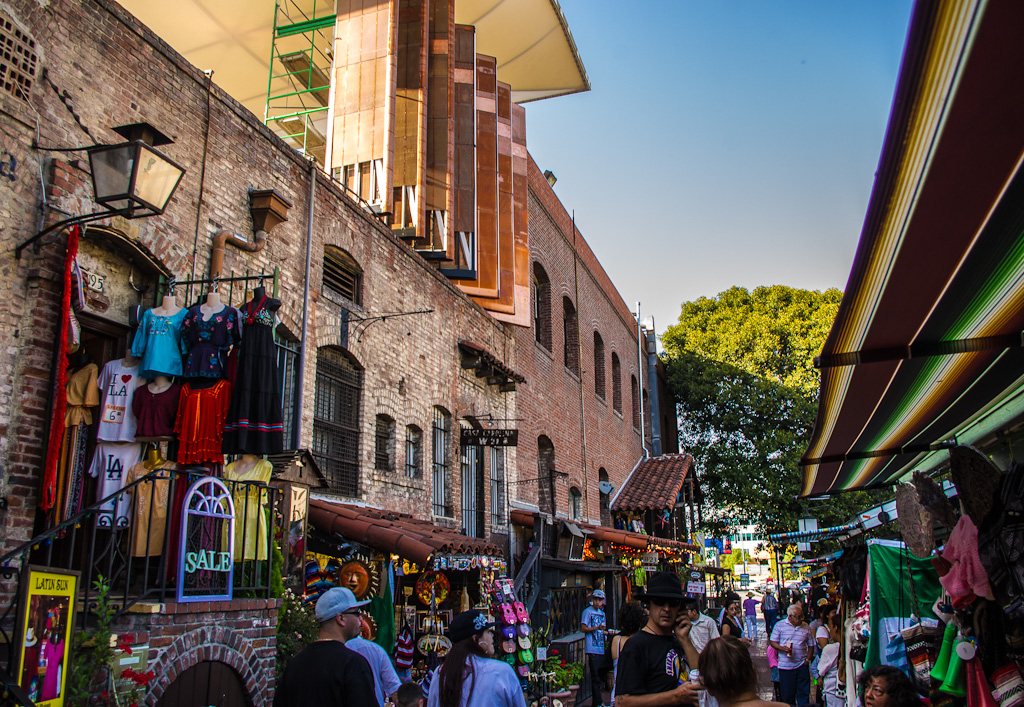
758,653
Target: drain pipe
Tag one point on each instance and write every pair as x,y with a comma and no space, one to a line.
299,393
223,237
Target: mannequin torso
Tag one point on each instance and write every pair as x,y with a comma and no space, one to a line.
168,307
160,384
211,306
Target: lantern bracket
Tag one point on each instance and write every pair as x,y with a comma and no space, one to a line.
84,218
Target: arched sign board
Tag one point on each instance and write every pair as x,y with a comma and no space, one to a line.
205,563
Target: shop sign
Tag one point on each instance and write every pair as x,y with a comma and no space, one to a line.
649,561
44,633
695,583
93,280
744,581
489,438
205,567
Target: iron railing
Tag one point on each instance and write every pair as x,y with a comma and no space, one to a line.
137,553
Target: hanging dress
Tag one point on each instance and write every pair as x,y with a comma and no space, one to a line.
82,394
200,425
150,524
250,509
255,423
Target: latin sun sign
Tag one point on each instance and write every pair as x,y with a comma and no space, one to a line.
205,565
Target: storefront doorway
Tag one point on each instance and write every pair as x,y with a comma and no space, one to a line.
210,683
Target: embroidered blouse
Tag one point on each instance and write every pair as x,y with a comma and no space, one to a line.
205,343
158,343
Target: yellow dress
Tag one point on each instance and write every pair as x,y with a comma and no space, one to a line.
250,510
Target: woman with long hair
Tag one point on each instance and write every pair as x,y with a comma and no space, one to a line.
632,617
469,677
727,673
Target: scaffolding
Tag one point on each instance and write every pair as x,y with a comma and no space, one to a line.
298,88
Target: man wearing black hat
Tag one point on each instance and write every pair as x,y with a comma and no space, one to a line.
651,671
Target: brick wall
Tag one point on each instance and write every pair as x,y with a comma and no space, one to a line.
552,405
240,633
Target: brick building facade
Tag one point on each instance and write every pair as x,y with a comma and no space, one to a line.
394,338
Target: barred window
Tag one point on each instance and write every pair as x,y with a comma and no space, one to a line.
442,463
541,306
599,365
287,347
545,474
337,398
499,517
575,504
570,337
616,384
472,482
413,452
343,278
634,392
384,444
18,59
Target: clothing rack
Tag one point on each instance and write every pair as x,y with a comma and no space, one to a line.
207,284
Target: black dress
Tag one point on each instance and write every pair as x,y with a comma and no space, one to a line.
254,424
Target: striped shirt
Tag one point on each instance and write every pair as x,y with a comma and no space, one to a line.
800,637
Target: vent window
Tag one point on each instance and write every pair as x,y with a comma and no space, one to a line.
343,278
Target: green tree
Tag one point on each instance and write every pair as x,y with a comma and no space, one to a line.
740,366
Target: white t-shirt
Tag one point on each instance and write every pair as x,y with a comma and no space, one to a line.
828,667
117,389
385,679
111,464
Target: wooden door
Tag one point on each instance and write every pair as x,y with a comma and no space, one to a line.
208,684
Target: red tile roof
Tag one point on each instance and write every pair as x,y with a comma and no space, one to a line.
654,484
637,541
397,533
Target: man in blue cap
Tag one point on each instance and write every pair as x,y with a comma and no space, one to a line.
326,672
593,625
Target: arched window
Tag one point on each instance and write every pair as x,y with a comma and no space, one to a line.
634,393
646,410
472,471
570,337
413,452
605,500
441,442
616,384
337,399
499,517
384,444
343,278
541,306
598,365
575,504
287,347
545,474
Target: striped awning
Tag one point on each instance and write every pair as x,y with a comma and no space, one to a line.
927,344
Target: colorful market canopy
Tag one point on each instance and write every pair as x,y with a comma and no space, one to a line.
926,348
808,535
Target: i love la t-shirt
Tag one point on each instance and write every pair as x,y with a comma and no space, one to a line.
117,389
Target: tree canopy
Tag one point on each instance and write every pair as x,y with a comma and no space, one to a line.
740,366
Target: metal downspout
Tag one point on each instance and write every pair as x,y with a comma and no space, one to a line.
579,359
303,347
652,383
640,378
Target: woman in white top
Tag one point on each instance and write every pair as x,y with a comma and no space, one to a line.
828,663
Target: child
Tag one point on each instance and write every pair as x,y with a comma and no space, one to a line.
410,695
773,663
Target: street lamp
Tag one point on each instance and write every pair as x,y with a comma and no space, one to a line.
131,179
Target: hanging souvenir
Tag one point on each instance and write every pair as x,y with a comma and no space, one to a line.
432,584
358,575
368,629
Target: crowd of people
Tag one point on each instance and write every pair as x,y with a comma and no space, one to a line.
666,652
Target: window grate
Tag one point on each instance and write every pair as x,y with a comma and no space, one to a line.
342,277
498,518
599,365
472,518
17,60
339,385
413,452
442,425
616,384
288,379
384,444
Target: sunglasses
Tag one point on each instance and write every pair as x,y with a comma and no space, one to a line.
671,603
350,612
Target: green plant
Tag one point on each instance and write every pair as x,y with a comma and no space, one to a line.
296,628
92,678
563,674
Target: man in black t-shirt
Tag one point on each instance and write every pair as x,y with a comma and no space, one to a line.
326,673
651,671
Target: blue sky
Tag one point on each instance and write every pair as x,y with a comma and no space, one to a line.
722,143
